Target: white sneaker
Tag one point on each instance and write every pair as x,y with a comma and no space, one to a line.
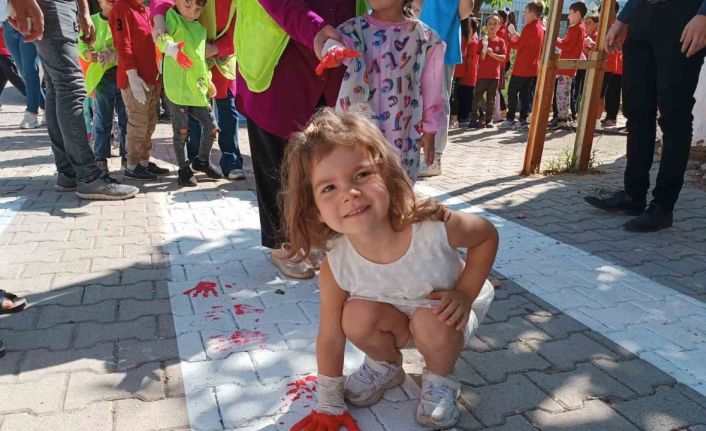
430,170
30,121
438,408
368,383
236,174
507,124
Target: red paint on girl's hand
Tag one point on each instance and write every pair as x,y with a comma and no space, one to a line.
334,57
203,288
241,309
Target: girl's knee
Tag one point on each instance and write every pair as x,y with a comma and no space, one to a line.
430,333
360,317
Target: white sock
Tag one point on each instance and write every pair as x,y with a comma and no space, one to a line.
145,163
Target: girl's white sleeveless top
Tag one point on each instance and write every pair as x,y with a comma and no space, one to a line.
430,263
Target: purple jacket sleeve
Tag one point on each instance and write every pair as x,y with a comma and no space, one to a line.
296,18
160,7
433,97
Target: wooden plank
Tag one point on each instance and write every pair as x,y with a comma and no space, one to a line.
567,63
544,92
592,91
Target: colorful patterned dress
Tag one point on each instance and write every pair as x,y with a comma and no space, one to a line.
398,79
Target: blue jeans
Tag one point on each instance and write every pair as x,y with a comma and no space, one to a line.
25,56
65,92
227,119
108,100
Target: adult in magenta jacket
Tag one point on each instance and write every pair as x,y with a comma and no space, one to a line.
286,106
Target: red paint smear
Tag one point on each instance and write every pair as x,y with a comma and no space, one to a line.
203,288
241,309
245,336
302,387
257,320
230,286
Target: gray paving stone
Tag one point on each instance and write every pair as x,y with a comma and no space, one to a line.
564,354
41,396
556,325
515,305
496,365
137,415
20,321
95,417
97,293
105,278
88,334
640,376
131,309
165,326
492,403
498,335
9,367
595,415
174,379
145,383
66,297
573,388
132,353
666,409
99,358
514,423
52,315
137,275
56,338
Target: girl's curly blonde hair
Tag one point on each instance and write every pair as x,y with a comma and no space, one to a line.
326,130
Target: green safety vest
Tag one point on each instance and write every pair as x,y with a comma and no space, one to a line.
103,42
187,87
260,42
226,65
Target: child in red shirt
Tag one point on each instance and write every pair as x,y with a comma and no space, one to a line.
571,47
465,73
492,57
528,45
138,80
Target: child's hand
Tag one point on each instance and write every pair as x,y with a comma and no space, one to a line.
426,142
511,29
107,57
211,93
211,50
334,57
454,308
323,422
91,55
175,51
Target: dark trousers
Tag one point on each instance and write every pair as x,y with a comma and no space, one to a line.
658,76
9,72
267,152
577,92
464,93
612,89
487,87
519,86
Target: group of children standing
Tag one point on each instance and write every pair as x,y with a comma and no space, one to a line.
487,60
131,60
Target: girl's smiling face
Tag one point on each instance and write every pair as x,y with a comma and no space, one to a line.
350,195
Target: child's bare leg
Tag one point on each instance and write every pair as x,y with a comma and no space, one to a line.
439,343
376,328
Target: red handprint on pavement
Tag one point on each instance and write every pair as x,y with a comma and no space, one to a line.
241,309
203,288
334,57
215,313
222,344
305,387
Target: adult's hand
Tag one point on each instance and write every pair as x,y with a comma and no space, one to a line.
85,24
159,26
326,33
27,18
693,38
616,36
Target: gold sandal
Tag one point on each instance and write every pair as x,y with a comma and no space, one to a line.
289,268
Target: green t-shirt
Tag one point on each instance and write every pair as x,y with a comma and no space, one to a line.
103,42
186,87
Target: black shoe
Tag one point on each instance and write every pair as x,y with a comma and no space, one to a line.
617,202
653,219
156,170
474,124
211,170
140,173
553,124
2,349
186,177
489,125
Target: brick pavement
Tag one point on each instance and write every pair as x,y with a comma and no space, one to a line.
100,346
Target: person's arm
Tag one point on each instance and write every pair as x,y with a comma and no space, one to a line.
296,18
432,95
495,56
330,341
120,28
465,8
27,18
160,7
628,10
480,238
224,44
693,38
85,23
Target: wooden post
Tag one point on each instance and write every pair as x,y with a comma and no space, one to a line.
592,91
544,92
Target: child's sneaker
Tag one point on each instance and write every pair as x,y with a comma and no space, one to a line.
474,124
156,170
368,383
236,174
432,170
139,173
438,408
30,121
524,125
186,177
208,168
